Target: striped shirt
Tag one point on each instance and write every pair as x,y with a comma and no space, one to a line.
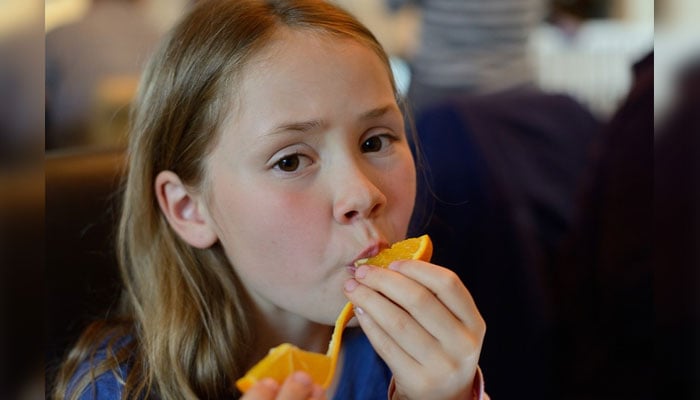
480,45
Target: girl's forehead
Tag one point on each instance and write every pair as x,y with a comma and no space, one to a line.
304,75
277,48
294,56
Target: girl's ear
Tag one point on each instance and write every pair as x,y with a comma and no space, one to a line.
184,211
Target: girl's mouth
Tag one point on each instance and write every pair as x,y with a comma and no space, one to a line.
370,251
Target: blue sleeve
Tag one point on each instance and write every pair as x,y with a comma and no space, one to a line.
105,387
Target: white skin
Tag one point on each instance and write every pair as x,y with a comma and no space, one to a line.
313,171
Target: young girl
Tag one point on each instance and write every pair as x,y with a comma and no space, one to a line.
267,155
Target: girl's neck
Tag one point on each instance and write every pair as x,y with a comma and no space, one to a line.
273,328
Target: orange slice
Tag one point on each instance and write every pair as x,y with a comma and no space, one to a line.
418,248
286,358
283,360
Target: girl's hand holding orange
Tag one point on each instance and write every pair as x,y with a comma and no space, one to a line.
298,386
423,322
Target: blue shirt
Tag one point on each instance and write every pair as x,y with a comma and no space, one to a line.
365,376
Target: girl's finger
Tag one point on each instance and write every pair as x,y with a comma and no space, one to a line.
419,303
297,386
447,286
393,331
265,389
318,393
398,360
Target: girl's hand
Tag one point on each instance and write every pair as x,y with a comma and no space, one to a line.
423,322
297,386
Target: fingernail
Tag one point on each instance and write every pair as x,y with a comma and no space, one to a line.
394,266
302,378
350,285
361,272
358,310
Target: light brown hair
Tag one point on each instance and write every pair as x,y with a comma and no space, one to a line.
184,309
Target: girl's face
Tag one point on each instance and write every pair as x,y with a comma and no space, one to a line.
312,172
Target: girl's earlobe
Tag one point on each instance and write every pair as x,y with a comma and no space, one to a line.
184,211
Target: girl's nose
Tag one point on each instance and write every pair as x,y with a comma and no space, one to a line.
357,197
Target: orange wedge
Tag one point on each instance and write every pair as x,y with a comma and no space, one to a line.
283,360
286,358
418,248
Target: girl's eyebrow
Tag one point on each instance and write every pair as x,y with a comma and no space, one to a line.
376,112
307,126
300,126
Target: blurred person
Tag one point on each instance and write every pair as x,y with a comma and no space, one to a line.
470,47
568,15
677,242
503,170
602,283
105,50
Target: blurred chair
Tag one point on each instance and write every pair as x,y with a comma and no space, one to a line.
21,278
503,172
82,279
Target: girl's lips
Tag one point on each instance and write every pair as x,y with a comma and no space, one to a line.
370,251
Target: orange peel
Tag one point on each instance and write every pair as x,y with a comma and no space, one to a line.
281,361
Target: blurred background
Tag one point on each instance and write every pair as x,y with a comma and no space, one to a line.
583,48
580,47
617,144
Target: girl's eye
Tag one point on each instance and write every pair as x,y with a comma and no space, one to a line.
293,163
373,144
288,163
